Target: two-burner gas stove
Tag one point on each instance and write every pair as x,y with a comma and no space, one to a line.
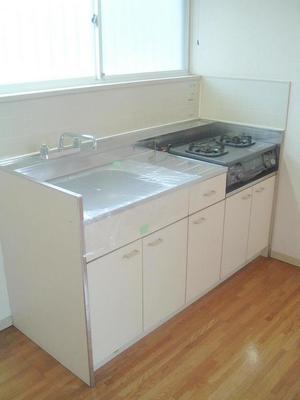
246,159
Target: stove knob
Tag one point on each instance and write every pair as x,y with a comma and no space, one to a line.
268,163
273,161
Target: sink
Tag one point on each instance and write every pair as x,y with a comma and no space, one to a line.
115,180
105,189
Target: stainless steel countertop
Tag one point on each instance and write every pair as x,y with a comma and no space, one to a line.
139,177
120,175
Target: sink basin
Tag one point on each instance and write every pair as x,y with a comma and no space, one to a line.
105,189
113,180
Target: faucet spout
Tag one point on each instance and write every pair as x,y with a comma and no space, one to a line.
77,140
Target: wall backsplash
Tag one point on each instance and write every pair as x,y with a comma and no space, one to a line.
27,123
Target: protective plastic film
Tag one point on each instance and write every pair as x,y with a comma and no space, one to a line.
127,192
124,182
133,194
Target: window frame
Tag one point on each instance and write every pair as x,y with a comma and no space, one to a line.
100,79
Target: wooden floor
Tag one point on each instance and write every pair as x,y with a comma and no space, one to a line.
241,341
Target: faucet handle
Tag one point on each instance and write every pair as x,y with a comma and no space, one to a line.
44,152
76,143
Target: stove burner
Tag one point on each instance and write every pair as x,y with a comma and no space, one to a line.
237,140
207,149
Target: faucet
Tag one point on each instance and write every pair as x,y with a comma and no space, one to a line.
77,140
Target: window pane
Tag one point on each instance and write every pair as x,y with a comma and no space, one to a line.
143,35
43,40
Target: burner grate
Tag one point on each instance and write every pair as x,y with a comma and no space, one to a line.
237,140
207,149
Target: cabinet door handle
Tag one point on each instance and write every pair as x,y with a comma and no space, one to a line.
131,254
261,189
246,197
199,221
210,193
155,242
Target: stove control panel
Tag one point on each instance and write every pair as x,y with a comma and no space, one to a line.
248,170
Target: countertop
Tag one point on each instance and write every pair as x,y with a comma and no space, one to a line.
125,182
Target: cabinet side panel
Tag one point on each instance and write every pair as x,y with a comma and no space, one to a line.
41,237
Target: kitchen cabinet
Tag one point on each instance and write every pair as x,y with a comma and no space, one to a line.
261,213
115,294
164,272
130,271
236,226
247,224
205,236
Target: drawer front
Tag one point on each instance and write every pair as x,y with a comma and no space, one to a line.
120,229
207,193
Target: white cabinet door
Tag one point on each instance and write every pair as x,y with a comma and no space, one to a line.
262,204
164,272
236,227
204,250
115,294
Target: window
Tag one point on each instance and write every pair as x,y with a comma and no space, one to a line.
42,40
141,36
54,42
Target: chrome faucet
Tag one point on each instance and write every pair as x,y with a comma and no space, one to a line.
77,140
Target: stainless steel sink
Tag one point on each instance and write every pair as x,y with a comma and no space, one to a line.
106,189
114,180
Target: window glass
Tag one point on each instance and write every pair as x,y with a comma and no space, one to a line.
42,40
141,36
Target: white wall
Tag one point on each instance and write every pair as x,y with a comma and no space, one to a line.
28,122
255,102
259,39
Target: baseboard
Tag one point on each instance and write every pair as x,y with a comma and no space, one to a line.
5,323
285,258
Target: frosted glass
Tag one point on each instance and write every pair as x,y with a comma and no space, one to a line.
43,40
143,35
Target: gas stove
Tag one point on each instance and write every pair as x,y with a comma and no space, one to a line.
215,147
245,158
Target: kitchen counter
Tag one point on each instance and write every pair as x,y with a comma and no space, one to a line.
83,232
114,180
140,176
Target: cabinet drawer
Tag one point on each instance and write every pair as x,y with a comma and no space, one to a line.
207,193
120,229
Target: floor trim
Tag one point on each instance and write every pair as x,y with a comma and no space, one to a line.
6,323
285,258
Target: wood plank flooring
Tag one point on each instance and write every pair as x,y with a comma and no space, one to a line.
239,342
